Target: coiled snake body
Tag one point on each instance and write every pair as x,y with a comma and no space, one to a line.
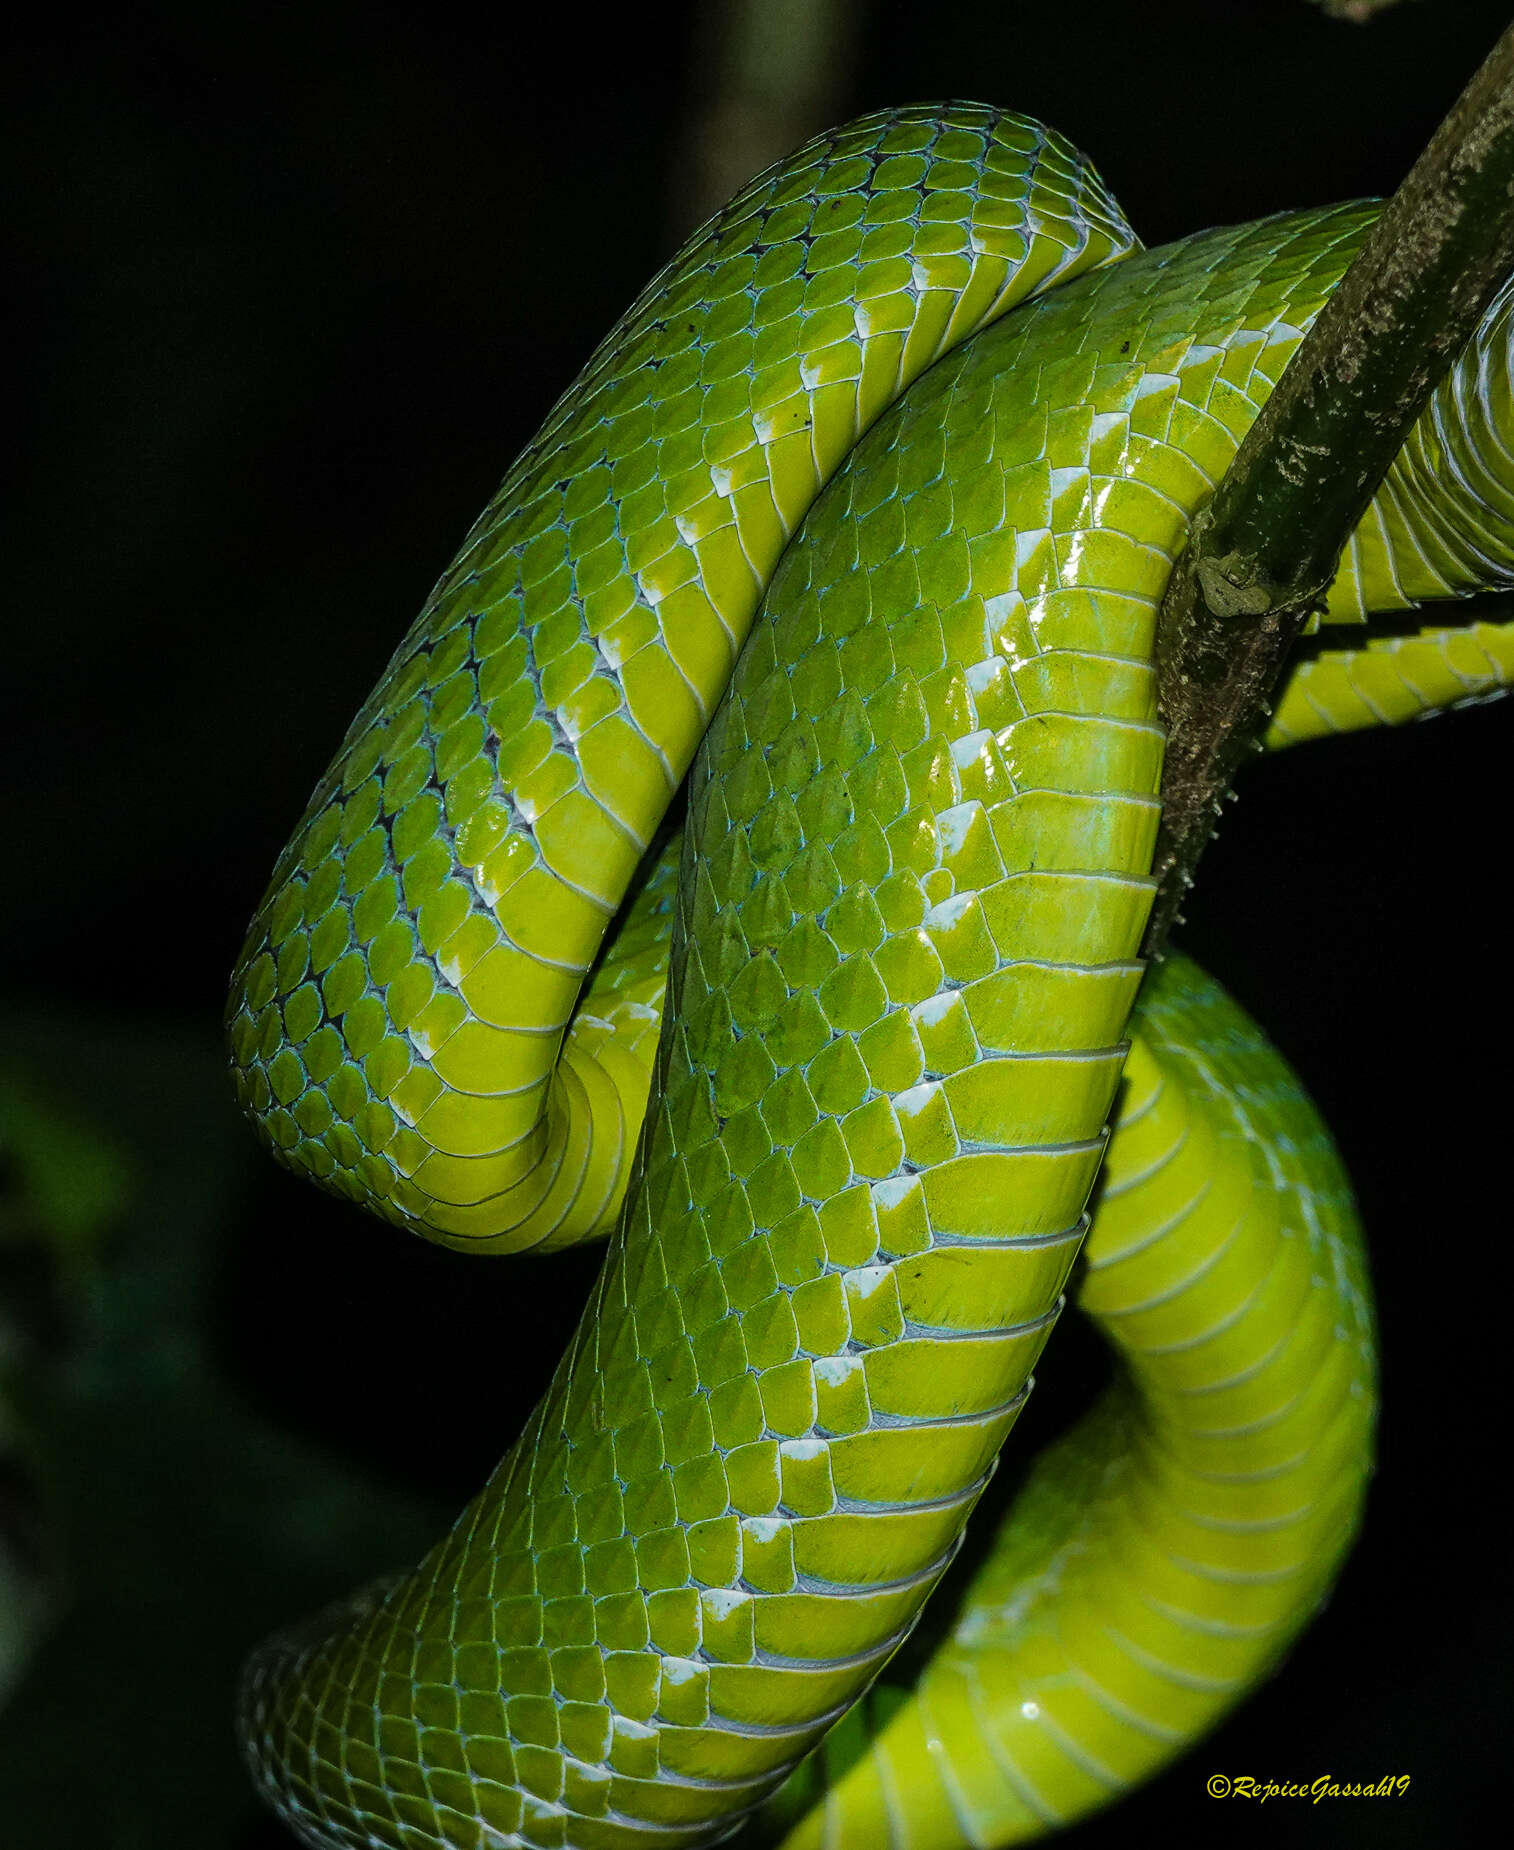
899,942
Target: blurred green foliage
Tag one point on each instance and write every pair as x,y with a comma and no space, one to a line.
170,1525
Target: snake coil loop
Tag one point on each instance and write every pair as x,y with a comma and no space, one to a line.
856,524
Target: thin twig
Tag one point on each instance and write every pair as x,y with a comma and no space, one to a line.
1261,555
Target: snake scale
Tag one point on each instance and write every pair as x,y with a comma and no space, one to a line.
849,538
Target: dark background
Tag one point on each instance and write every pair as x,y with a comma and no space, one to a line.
292,286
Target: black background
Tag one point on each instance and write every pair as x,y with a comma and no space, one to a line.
293,285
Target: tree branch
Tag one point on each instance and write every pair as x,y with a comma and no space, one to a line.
1261,555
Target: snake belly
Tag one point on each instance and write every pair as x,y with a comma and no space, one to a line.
899,944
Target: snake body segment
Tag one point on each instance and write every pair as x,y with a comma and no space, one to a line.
1166,1550
396,1017
899,942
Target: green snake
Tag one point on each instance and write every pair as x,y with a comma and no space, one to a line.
853,532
